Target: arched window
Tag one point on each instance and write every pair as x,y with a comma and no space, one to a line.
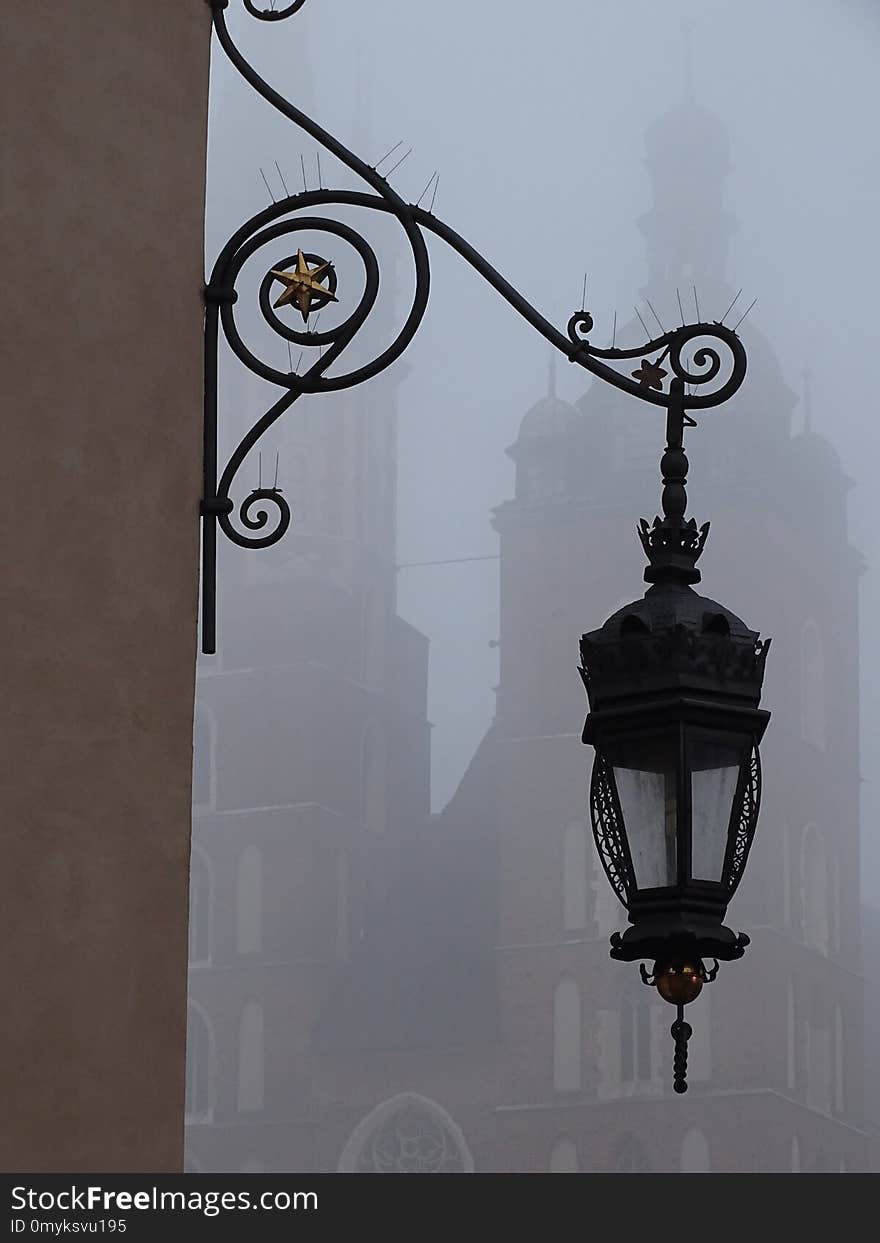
695,1157
629,1157
407,1134
374,776
249,901
812,685
817,1042
204,747
542,479
635,1040
199,1066
814,889
564,1158
608,1054
200,914
567,1036
574,877
250,1057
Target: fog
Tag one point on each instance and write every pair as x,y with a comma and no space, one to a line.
378,984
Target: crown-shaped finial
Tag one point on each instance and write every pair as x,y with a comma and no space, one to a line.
673,547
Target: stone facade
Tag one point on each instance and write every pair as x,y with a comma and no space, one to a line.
103,150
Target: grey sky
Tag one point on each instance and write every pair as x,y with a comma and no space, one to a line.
535,117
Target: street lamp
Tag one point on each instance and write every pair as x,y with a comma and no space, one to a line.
300,284
674,683
673,680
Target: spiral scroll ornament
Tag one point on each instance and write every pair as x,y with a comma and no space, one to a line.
300,282
270,14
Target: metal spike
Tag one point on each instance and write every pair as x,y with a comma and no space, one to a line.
642,322
744,314
283,182
697,305
434,195
680,311
397,165
387,153
730,308
426,189
303,165
656,316
268,187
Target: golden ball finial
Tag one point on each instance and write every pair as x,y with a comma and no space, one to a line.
679,982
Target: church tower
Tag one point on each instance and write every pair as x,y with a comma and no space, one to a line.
776,1057
479,1023
311,760
688,228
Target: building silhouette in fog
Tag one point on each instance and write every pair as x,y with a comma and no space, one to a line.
390,990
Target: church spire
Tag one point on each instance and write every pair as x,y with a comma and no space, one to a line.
687,229
687,34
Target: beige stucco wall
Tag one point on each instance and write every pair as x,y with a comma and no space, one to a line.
102,149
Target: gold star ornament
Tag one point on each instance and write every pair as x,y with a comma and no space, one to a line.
303,287
650,375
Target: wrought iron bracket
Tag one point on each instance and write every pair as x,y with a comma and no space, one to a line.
310,283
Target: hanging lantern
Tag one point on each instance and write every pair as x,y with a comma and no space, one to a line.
674,683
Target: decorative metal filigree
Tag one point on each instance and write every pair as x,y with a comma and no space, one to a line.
687,539
649,374
677,650
748,820
608,827
265,513
411,1141
707,974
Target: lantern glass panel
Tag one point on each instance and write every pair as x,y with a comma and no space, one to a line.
646,776
715,768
